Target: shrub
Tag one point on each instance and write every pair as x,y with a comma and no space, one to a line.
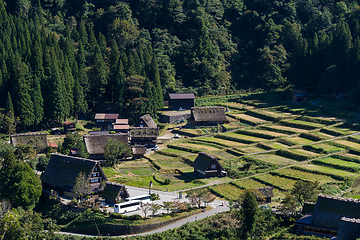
95,209
255,134
167,181
154,196
311,136
331,132
117,215
292,155
135,217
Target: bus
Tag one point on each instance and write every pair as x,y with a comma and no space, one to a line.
127,207
141,198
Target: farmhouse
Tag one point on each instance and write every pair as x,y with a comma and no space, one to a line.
207,165
61,173
181,101
37,140
144,136
330,216
264,194
207,115
69,127
95,143
105,121
114,193
146,121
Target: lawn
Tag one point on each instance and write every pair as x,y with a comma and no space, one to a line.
275,159
322,169
276,181
230,191
305,175
137,171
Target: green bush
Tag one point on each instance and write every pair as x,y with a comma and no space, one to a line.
292,155
311,136
331,132
95,210
255,134
167,181
117,215
352,139
135,217
264,146
314,149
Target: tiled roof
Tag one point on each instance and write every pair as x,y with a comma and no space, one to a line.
106,116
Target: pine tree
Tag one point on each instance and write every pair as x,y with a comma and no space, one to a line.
154,76
119,83
83,34
38,101
79,99
56,98
149,97
249,213
130,69
99,77
9,106
103,45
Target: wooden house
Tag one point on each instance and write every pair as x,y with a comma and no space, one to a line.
299,94
138,151
207,165
264,194
329,215
69,127
121,126
56,131
208,115
95,143
61,173
181,101
105,121
37,140
146,121
144,136
114,193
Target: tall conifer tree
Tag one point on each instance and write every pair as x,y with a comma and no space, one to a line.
154,76
37,101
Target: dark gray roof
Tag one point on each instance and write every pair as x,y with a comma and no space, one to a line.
34,139
208,114
181,96
349,229
148,121
329,210
63,170
203,160
113,190
144,132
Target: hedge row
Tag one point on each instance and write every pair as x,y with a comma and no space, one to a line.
337,166
278,130
332,132
234,139
292,155
342,146
315,149
355,152
167,153
263,115
352,139
318,120
258,162
211,144
255,134
334,176
269,184
286,141
264,146
346,158
300,124
287,176
182,148
312,137
233,152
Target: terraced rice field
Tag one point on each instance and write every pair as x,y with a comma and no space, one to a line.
281,127
230,191
270,133
222,141
339,162
345,130
351,155
348,143
238,105
322,169
324,135
305,175
157,156
250,183
175,165
247,137
276,145
178,152
250,149
276,181
275,159
299,140
199,147
249,118
304,152
224,155
137,171
328,147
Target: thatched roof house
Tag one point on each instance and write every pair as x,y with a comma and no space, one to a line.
349,229
207,165
37,140
62,171
114,193
208,115
144,136
95,143
146,121
329,211
263,194
138,151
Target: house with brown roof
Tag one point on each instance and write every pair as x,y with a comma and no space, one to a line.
69,127
95,143
146,121
105,121
114,193
181,101
211,115
331,215
207,165
264,194
138,151
61,173
144,136
121,125
37,140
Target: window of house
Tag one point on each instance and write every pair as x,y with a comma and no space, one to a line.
213,166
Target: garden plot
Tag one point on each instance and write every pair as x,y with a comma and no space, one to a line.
278,182
247,137
304,152
275,145
238,106
351,155
250,149
178,180
297,174
158,156
222,142
248,119
339,164
327,170
274,159
270,133
347,144
323,134
344,129
301,124
137,171
230,191
191,132
251,183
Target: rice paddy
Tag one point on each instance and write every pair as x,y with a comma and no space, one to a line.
275,159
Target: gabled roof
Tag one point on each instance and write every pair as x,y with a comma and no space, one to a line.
178,96
208,114
63,170
349,229
112,190
106,116
138,149
265,192
68,123
95,143
121,127
329,210
144,132
122,121
148,121
203,160
34,139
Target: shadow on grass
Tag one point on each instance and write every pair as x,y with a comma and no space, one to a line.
188,177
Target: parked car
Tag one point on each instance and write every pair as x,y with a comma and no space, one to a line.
156,147
176,135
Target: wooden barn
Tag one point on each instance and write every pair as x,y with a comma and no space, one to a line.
146,121
37,140
208,115
61,173
114,193
144,136
330,216
138,151
105,121
264,194
95,143
181,101
207,165
69,127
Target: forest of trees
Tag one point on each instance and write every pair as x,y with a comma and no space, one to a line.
59,58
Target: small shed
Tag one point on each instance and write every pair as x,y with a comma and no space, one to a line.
207,165
69,127
53,145
208,115
264,194
299,94
138,151
56,131
114,192
181,101
146,121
